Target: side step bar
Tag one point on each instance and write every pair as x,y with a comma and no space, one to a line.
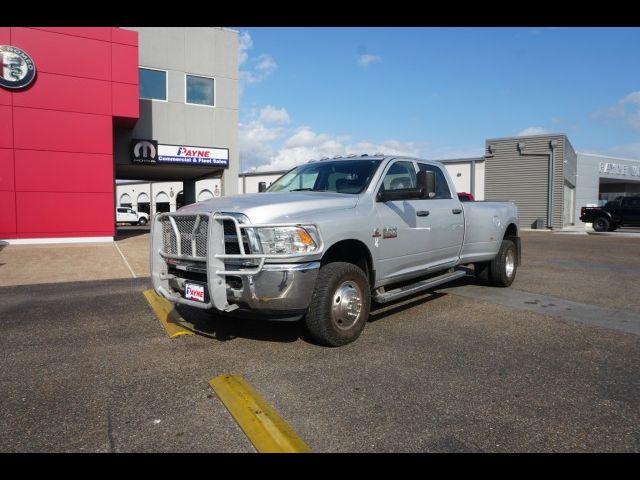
418,287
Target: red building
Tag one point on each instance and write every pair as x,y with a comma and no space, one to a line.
56,133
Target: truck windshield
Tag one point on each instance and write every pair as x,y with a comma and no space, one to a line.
340,176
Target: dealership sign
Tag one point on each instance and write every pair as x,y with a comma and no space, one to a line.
619,169
17,69
149,151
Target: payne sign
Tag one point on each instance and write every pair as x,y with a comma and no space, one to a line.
149,151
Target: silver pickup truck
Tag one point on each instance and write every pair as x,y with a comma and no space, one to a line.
328,238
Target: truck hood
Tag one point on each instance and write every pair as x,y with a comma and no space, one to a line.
276,207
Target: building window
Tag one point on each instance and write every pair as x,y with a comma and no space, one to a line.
153,84
200,90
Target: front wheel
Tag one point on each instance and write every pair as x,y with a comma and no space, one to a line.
601,224
340,304
142,221
501,271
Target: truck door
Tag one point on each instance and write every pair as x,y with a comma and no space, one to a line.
131,216
444,222
121,214
398,239
631,211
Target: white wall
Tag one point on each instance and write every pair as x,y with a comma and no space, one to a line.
479,195
170,189
460,172
250,184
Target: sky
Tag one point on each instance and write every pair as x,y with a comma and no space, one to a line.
434,93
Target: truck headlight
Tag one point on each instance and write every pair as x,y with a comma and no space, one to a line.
288,240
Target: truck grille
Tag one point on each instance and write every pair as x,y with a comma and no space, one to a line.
231,245
185,226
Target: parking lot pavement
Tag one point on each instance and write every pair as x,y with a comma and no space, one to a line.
33,264
133,242
127,257
601,270
87,367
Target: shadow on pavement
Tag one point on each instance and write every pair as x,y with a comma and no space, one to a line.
123,233
380,311
225,328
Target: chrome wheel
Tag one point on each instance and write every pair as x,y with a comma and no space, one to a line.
346,305
510,263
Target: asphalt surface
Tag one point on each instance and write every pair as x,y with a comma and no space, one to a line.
86,366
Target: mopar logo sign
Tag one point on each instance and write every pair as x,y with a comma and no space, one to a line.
144,151
17,67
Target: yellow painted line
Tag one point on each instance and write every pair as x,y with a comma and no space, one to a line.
167,315
268,432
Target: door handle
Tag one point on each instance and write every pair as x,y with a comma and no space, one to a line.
422,213
456,210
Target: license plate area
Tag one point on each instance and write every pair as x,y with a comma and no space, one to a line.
196,291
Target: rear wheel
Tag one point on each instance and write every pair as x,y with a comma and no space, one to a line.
501,271
340,304
601,224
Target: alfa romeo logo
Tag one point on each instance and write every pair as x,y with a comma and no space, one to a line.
17,67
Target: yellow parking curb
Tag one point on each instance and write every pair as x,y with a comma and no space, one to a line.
166,314
268,432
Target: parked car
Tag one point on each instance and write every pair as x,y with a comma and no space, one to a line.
623,211
466,197
328,238
128,215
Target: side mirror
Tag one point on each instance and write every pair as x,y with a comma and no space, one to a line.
427,183
262,187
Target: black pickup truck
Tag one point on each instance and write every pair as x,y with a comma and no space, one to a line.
623,211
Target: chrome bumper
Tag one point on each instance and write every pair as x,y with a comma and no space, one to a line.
284,288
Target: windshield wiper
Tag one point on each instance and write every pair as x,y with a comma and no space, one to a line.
306,190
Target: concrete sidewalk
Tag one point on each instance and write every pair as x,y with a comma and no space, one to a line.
127,257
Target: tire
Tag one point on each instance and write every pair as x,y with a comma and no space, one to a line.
601,224
612,228
482,271
340,304
501,271
142,221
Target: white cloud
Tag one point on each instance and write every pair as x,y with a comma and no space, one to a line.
532,131
244,44
265,64
626,109
271,114
267,145
631,150
633,97
366,59
253,69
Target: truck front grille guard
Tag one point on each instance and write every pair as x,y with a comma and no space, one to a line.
214,242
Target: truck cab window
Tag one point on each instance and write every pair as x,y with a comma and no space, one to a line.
442,188
400,175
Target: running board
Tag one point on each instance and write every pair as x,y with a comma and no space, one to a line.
418,287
